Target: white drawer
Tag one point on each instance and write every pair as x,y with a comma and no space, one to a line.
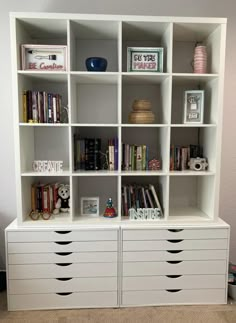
62,235
164,234
60,285
195,296
61,257
174,255
173,282
74,300
175,244
63,270
210,267
63,246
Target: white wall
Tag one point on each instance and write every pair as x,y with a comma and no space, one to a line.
204,8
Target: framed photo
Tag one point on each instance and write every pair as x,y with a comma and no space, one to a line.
90,206
193,106
145,59
44,57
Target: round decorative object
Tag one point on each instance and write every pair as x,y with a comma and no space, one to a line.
200,60
141,112
110,211
141,105
96,64
154,164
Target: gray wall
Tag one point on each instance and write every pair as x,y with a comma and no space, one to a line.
204,8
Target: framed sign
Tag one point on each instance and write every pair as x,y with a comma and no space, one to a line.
145,59
193,106
44,57
89,206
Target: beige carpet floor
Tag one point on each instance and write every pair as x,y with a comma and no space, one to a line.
162,314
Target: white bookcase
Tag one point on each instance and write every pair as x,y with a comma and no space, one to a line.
73,261
100,102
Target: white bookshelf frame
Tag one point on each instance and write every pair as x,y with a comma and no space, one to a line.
123,28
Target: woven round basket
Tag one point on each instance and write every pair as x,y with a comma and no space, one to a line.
141,117
141,105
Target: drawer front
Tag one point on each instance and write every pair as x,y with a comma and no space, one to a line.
173,282
62,235
62,285
174,255
74,300
61,257
175,244
195,296
164,234
62,270
174,268
66,246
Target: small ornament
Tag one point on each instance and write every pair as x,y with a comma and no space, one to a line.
141,112
110,211
200,59
154,164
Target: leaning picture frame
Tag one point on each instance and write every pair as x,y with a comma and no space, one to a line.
89,206
193,106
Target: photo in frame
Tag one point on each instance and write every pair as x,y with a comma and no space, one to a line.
89,206
193,106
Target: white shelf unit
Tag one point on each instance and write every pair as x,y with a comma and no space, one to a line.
100,102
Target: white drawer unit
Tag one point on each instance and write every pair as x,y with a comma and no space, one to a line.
174,265
67,268
128,265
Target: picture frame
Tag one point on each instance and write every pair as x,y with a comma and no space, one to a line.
89,206
145,59
193,106
44,57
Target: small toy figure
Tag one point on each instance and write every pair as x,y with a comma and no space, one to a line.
110,211
63,201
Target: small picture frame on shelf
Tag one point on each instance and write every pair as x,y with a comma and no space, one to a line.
44,57
89,206
193,106
145,59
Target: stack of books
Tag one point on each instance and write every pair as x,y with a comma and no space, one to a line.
44,197
88,154
134,157
41,107
180,156
139,196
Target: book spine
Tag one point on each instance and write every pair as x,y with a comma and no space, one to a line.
25,117
172,166
91,154
86,154
33,198
116,153
50,108
144,198
123,157
149,198
97,149
54,104
126,157
45,107
34,107
82,154
29,105
130,158
143,157
126,201
139,158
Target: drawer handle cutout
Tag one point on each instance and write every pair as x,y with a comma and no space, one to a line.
175,230
64,294
64,264
63,242
173,276
174,240
173,290
63,232
174,251
63,279
174,262
63,253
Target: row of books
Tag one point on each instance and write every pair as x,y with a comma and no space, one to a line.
180,156
41,107
88,154
139,196
44,197
134,157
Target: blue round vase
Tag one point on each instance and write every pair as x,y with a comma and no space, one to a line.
96,64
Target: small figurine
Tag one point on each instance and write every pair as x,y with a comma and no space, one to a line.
110,211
